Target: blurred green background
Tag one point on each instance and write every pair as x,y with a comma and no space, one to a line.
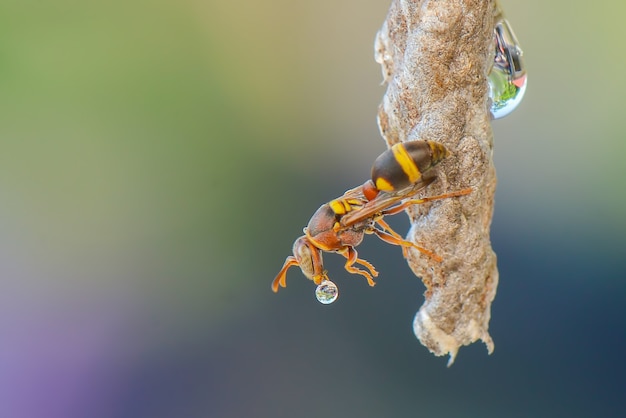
158,158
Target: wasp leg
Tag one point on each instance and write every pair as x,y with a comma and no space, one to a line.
352,258
281,278
410,202
318,279
393,233
396,240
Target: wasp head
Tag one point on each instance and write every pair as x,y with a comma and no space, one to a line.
308,257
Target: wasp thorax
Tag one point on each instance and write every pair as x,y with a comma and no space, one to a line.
322,220
325,231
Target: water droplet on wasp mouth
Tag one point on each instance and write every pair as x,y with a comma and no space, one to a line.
327,292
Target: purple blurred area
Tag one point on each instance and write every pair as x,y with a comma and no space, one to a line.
100,354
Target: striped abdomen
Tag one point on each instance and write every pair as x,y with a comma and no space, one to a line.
404,163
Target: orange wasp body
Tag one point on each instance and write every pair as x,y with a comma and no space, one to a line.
341,224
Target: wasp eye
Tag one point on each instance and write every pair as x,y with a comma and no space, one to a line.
327,292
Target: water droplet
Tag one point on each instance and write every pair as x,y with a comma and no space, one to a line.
327,292
507,79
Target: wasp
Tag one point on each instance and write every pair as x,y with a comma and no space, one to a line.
341,224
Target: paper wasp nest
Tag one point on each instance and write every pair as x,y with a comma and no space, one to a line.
435,57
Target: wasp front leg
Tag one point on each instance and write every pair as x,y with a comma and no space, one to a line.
353,258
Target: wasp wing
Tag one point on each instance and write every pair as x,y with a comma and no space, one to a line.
356,193
383,201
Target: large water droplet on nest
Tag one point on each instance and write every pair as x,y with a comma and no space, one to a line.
507,79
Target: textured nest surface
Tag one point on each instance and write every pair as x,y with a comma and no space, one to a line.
435,56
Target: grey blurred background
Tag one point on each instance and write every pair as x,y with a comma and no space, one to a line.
159,158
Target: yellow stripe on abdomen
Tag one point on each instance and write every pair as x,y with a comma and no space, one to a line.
383,184
406,163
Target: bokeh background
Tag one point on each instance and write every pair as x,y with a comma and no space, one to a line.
158,158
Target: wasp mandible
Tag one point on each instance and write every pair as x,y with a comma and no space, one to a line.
341,224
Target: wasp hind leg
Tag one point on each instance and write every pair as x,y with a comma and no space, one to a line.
410,202
392,237
352,258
